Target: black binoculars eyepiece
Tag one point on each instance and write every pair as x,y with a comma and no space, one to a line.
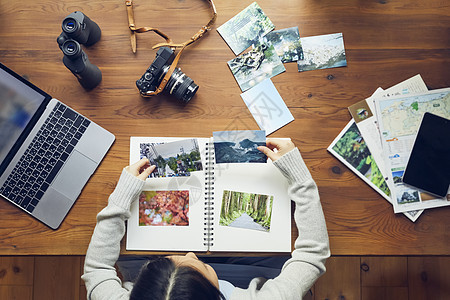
78,29
71,48
69,25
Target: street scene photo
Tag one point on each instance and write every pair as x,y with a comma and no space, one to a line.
178,158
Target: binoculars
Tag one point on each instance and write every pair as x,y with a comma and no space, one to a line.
78,29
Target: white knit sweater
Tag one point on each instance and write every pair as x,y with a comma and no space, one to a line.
297,276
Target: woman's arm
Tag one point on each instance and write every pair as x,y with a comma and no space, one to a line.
311,247
100,275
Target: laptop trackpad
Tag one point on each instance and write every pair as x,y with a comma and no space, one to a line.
52,208
74,175
95,142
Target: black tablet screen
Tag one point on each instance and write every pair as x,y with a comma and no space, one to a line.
429,164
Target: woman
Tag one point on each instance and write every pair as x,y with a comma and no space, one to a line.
186,277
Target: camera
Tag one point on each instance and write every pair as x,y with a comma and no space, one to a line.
78,29
179,84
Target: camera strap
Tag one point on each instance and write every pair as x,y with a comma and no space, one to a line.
168,43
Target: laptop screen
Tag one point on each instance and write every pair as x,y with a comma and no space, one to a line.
19,102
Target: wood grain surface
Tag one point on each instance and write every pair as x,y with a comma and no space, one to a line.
386,42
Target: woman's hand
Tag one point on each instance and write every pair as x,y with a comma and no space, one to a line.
141,169
282,147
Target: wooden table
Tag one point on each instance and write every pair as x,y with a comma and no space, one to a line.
386,42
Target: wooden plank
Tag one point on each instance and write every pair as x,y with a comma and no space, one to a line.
83,293
429,278
384,271
342,279
82,269
16,292
16,277
16,270
384,292
56,277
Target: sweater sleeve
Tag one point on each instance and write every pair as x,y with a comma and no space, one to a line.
311,248
100,275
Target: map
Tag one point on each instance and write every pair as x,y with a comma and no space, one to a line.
402,116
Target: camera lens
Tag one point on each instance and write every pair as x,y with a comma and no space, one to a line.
181,86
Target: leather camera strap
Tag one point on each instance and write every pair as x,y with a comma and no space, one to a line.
168,43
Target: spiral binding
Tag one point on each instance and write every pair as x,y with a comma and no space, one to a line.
208,239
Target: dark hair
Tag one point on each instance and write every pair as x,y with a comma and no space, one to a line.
162,279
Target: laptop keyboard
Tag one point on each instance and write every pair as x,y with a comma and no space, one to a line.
45,156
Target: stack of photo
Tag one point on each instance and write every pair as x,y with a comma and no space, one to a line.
261,53
270,48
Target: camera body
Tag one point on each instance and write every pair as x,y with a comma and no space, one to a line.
78,29
179,85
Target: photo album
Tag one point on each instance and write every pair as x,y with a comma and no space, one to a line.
210,194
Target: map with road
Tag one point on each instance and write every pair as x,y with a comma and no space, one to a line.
402,117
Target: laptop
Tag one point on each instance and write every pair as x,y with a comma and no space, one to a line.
48,151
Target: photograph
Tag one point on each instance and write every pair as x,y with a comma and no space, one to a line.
173,159
239,146
360,111
255,66
322,52
246,27
267,107
397,176
406,195
164,208
286,42
246,210
353,149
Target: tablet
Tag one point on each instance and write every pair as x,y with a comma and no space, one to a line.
428,166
